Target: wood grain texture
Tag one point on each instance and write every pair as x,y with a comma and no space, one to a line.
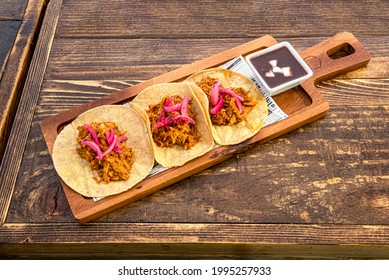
79,19
203,233
142,59
327,184
15,146
8,31
18,60
193,250
61,95
233,19
345,92
12,9
194,241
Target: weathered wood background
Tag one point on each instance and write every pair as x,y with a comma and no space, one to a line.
11,14
334,171
19,26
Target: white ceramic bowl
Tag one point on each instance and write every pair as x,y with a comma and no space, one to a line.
279,68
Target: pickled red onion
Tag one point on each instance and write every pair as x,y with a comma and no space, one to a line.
110,135
94,147
112,140
186,119
93,134
218,106
170,100
111,147
184,106
238,99
215,89
165,122
122,138
231,93
239,105
172,108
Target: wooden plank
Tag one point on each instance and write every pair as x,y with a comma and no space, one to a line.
346,92
61,95
8,31
11,13
194,241
142,59
14,150
189,251
12,9
17,65
206,233
128,58
232,18
120,18
296,19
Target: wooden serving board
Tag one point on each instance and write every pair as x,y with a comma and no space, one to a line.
337,55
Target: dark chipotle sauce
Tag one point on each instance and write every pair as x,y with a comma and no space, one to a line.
278,67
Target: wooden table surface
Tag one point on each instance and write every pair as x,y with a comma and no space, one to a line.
19,26
321,191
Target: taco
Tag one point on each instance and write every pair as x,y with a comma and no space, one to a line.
176,123
236,107
104,151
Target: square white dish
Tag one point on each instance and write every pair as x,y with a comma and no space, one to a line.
279,68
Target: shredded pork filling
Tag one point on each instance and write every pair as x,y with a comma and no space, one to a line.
176,132
229,114
114,166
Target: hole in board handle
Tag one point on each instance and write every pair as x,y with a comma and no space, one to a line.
341,51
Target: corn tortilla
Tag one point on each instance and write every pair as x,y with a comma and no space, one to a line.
176,155
76,172
256,118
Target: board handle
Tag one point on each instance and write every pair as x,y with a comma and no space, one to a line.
335,56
